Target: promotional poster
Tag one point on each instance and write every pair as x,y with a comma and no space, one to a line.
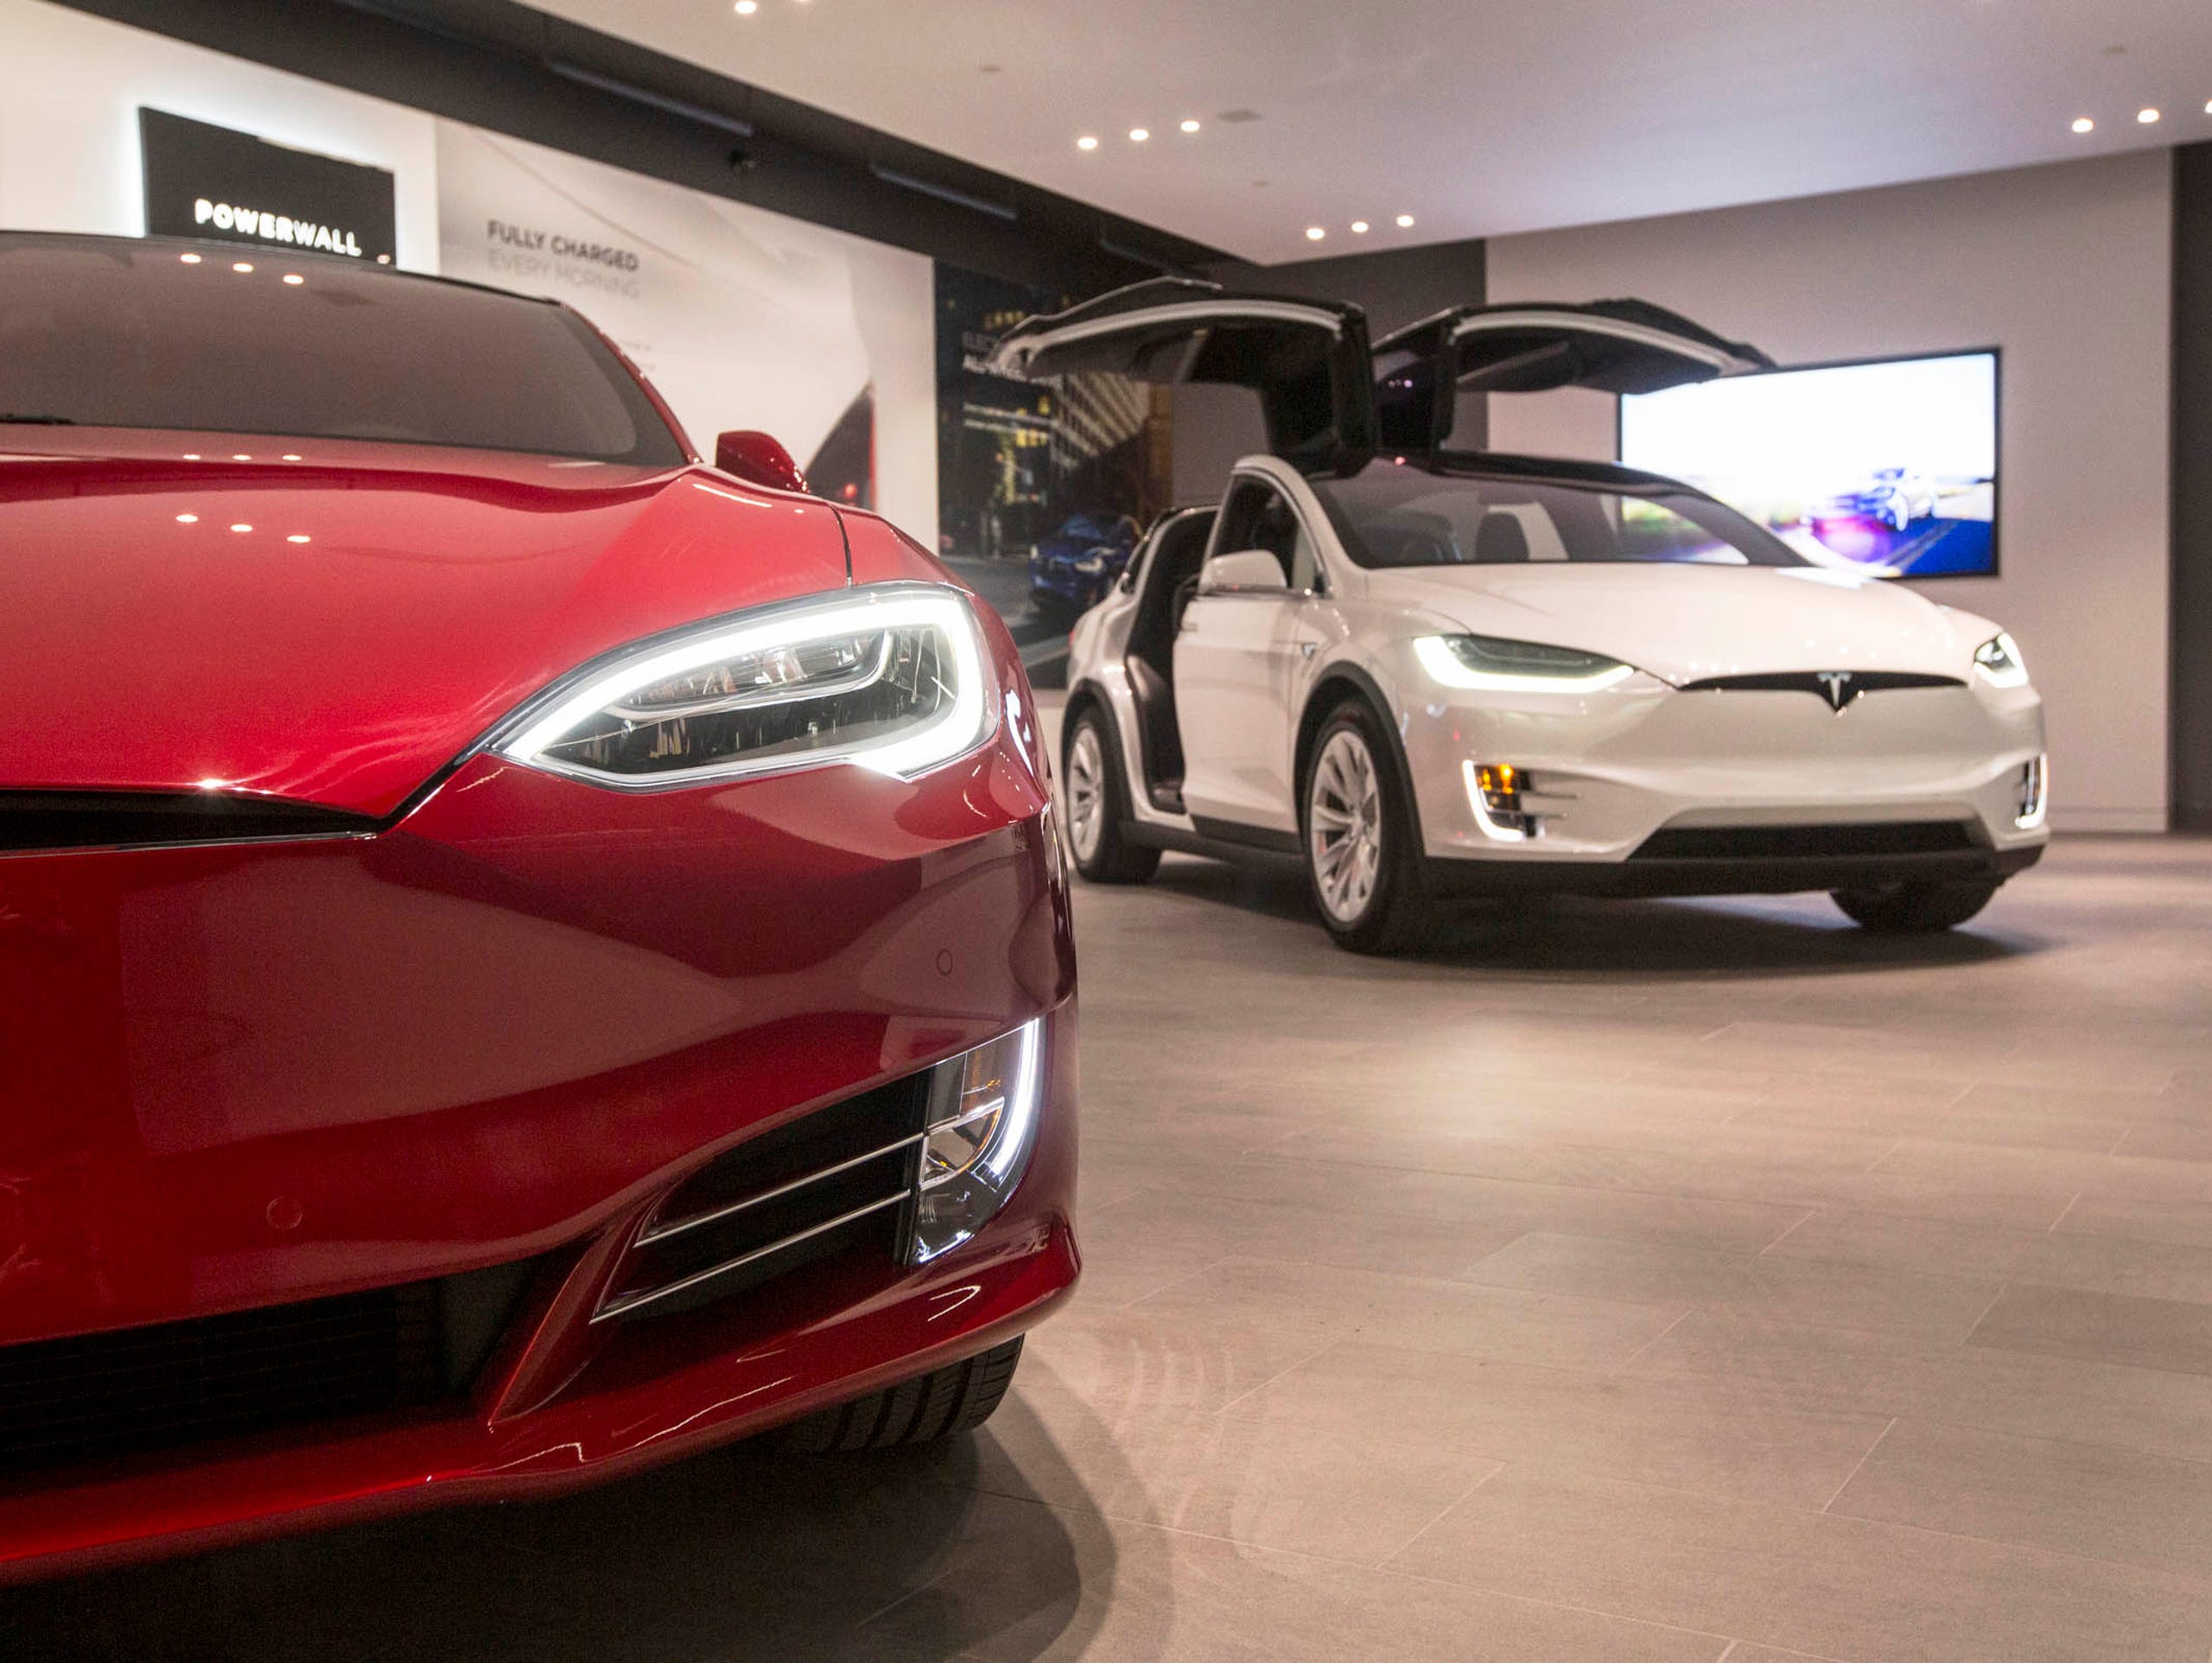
742,318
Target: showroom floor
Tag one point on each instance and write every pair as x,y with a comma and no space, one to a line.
1650,1281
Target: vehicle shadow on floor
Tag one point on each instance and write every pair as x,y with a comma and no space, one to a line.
737,1554
1747,936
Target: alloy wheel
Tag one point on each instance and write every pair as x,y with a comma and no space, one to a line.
1343,818
1086,791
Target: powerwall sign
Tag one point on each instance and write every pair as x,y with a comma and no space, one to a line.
205,181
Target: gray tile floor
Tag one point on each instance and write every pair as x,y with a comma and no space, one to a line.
1670,1281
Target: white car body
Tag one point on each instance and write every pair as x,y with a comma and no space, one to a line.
1869,746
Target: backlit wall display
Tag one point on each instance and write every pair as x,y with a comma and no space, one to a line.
1890,463
206,181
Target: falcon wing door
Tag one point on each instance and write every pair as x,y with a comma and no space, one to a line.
1309,360
1616,346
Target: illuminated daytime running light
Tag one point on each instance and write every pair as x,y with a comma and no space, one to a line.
1494,792
982,1121
1490,665
2031,807
1999,662
892,677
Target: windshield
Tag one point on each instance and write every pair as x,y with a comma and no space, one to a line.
113,332
1392,514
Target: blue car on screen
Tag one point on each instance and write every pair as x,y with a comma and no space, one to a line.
1072,570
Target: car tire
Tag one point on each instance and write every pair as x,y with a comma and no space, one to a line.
942,1404
1096,793
1915,908
1353,807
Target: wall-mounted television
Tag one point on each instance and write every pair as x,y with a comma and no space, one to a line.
1889,464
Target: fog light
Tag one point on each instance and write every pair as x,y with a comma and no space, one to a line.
2031,800
1494,791
983,1119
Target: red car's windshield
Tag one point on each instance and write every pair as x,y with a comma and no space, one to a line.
109,332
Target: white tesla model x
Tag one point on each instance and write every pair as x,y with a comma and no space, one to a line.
1432,675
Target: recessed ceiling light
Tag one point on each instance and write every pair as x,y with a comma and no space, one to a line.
1190,125
241,527
1314,233
193,259
1086,143
2146,114
746,8
293,278
1138,135
1405,222
2083,124
243,265
2207,106
1359,227
188,519
297,536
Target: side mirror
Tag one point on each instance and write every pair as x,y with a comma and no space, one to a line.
1246,569
758,458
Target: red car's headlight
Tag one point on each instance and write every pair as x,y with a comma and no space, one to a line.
892,677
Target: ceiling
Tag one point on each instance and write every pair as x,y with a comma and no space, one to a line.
1477,118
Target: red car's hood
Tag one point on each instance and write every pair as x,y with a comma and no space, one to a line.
333,622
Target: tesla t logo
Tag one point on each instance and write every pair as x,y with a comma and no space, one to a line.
1836,687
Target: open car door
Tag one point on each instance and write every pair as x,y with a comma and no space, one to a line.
1617,346
1309,360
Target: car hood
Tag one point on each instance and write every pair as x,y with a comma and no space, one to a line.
333,623
1683,623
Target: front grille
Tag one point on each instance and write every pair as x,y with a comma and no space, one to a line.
1805,842
173,1385
1843,685
836,1181
32,821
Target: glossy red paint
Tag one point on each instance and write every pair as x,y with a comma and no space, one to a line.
758,458
510,1020
336,628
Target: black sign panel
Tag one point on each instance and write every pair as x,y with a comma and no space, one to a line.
205,181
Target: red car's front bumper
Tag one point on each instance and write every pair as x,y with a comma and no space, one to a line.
242,1077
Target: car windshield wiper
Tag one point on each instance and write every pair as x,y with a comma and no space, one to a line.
24,419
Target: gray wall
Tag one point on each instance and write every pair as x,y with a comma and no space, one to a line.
1214,426
2068,269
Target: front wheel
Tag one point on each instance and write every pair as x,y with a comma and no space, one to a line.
1097,796
1917,908
1362,855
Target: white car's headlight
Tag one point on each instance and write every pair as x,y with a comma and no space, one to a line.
1498,666
1998,660
891,677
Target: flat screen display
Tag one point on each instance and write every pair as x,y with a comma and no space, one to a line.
1890,465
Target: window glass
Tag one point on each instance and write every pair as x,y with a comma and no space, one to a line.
116,332
1256,515
1392,514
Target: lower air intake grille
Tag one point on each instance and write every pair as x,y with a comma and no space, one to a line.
1805,842
840,1178
176,1384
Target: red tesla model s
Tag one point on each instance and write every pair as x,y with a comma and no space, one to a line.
521,954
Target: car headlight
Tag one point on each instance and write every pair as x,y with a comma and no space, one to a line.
2000,662
983,1119
891,677
1500,666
